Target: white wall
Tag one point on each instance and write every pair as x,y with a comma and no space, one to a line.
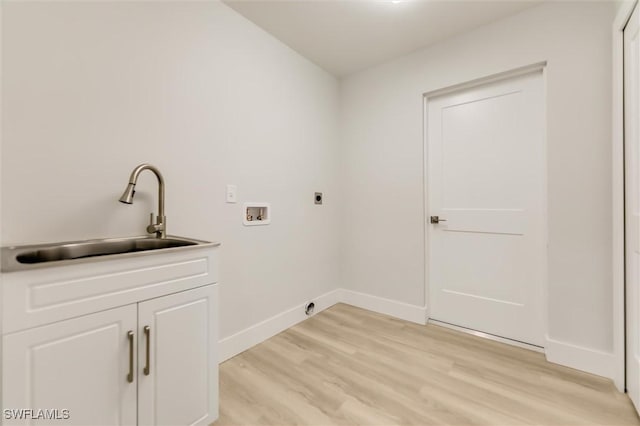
382,118
91,89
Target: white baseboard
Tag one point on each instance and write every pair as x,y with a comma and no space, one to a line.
581,358
573,356
405,311
243,340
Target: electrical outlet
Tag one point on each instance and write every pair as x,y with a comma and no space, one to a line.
232,196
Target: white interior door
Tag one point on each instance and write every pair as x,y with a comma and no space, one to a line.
486,178
632,202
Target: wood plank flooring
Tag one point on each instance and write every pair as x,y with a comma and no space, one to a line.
348,366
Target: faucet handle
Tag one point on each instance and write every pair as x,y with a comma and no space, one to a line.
153,227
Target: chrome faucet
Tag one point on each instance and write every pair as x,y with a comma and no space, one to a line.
160,227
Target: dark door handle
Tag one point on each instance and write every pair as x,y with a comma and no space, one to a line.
436,219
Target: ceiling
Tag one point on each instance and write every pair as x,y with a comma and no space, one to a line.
347,36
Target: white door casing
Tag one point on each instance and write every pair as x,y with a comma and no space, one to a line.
80,365
181,387
632,202
486,177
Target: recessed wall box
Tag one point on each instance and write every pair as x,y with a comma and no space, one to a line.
256,214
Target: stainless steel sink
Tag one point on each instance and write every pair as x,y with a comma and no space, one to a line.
17,258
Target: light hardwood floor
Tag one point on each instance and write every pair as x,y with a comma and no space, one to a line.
349,366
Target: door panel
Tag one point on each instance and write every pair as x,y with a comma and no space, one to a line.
80,365
181,387
485,160
632,202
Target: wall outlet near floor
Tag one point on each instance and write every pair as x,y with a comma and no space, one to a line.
309,308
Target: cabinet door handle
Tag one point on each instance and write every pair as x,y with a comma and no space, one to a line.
147,333
130,375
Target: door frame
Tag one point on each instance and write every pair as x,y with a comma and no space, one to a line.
504,75
618,199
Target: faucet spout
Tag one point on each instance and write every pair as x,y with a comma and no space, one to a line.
160,226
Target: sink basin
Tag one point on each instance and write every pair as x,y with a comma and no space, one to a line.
26,257
97,248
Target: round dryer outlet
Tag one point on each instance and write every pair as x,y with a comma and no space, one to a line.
308,309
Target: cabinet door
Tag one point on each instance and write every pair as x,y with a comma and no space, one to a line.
178,360
80,365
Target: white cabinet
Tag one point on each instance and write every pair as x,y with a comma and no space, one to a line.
157,357
178,371
80,365
117,342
